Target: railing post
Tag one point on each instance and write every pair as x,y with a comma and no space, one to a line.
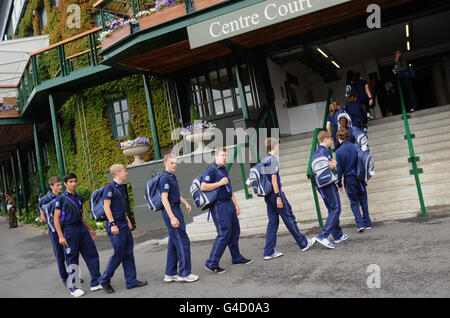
242,96
35,70
16,186
28,78
133,8
151,114
59,155
412,157
22,182
309,174
102,18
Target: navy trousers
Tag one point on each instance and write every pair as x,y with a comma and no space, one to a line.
179,245
228,230
123,245
58,249
332,201
80,242
357,194
274,213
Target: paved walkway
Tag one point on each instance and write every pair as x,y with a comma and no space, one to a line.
413,257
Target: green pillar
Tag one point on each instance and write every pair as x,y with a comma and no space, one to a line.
3,185
16,185
58,148
38,158
151,114
22,183
244,104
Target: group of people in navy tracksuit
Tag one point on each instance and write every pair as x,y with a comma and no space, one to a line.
71,235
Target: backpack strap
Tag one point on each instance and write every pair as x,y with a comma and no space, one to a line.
220,173
122,199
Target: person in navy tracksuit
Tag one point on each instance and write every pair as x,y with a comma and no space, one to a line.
118,229
76,235
347,159
179,246
330,197
356,112
225,211
277,205
55,184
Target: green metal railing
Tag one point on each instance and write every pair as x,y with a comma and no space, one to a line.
237,153
413,159
313,148
72,54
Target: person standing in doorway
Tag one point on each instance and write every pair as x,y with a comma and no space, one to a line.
404,71
118,229
11,207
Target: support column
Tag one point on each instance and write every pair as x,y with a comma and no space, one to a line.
16,186
151,114
244,104
22,183
3,188
58,148
38,158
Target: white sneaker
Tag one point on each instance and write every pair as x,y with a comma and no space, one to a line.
311,242
77,293
274,255
174,278
98,287
368,228
343,238
360,229
189,279
325,242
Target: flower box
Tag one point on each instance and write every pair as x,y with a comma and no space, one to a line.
201,4
9,114
116,35
165,14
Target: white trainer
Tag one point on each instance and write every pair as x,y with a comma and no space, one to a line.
274,255
174,278
343,238
325,242
189,279
77,293
98,287
311,242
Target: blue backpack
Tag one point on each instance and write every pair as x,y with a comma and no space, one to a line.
322,172
365,167
360,138
260,181
49,210
153,195
202,199
96,203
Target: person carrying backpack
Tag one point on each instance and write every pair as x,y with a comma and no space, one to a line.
278,205
355,111
330,195
76,235
178,248
363,93
55,184
118,229
225,212
347,160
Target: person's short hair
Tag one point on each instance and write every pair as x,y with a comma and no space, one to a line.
168,156
54,180
69,176
219,150
323,135
115,168
271,143
342,134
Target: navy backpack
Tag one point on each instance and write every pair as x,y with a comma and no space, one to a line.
96,203
49,210
365,167
202,199
322,172
260,181
153,195
360,138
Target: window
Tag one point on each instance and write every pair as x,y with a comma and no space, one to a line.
55,3
217,93
43,17
120,115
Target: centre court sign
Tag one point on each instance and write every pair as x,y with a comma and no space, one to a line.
252,18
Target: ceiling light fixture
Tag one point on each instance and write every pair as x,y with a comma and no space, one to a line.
335,64
322,52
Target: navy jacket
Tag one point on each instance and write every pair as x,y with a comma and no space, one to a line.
168,183
357,114
347,159
114,192
214,174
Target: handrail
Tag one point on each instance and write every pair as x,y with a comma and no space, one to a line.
237,148
313,148
412,157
